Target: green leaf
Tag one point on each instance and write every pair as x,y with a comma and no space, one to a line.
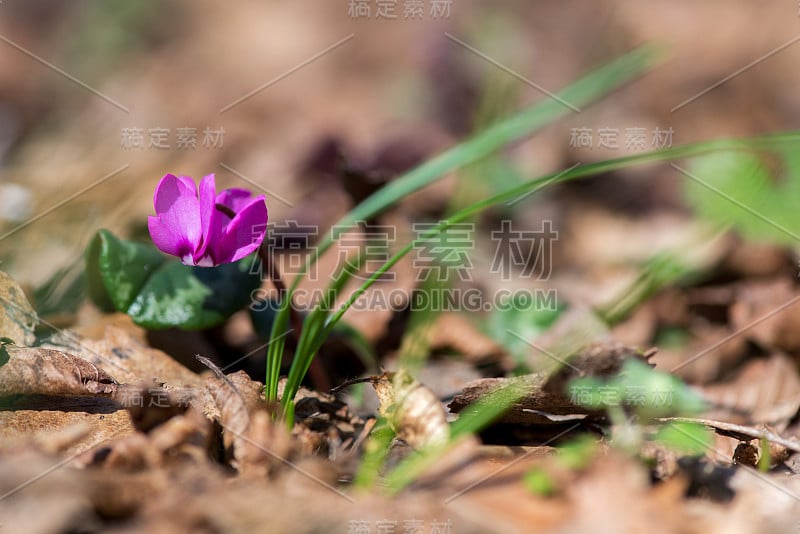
540,482
517,324
159,293
578,453
193,298
755,192
118,269
4,356
689,438
656,393
593,392
95,285
649,393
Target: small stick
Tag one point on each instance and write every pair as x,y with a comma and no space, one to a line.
351,382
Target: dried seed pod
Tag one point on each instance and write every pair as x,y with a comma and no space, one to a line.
745,454
415,413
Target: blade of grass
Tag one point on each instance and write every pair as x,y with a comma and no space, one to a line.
275,350
314,334
678,152
376,449
664,268
593,86
481,414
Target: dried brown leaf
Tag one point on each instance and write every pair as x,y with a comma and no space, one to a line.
51,421
616,492
769,313
324,424
52,504
17,318
712,352
182,437
151,406
266,446
456,332
765,391
122,352
31,371
236,396
416,414
545,392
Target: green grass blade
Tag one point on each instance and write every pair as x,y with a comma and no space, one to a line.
483,412
314,332
376,450
313,327
593,86
678,152
275,350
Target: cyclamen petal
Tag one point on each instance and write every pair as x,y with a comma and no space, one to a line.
208,214
235,199
244,234
167,240
170,188
188,224
178,210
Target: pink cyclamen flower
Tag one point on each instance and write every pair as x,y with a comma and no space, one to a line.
206,229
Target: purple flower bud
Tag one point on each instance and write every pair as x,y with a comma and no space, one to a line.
198,231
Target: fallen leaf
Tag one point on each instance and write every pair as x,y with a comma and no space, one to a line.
456,332
234,397
122,352
414,412
544,394
17,318
31,371
765,391
768,313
